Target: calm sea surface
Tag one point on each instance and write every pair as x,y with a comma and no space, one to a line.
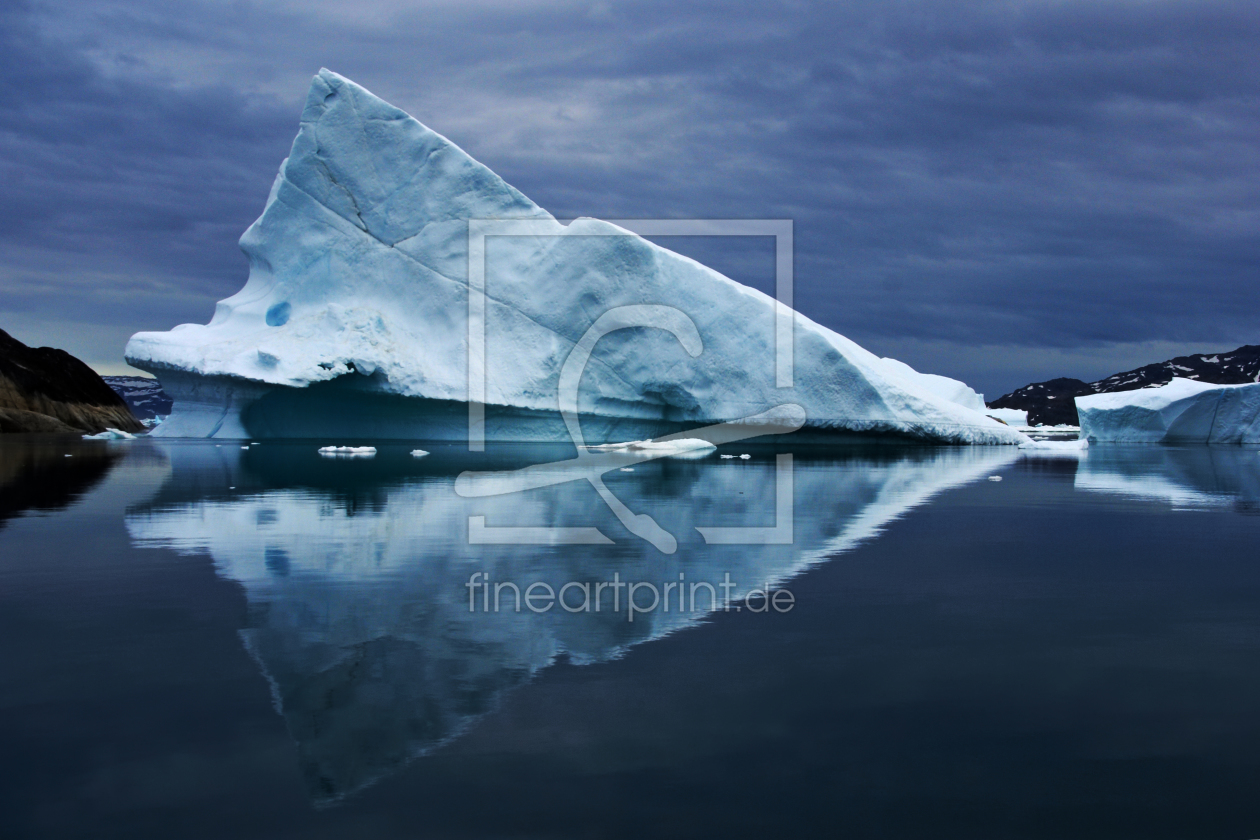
201,640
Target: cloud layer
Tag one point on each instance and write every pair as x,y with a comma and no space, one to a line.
1002,191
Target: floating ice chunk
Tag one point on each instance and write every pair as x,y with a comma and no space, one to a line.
418,453
111,434
681,448
744,457
627,469
1075,449
728,456
1056,445
348,451
995,478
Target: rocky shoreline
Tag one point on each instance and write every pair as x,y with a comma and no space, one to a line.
45,390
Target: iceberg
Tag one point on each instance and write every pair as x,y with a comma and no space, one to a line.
1183,411
355,319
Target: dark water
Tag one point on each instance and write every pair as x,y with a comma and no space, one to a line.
204,641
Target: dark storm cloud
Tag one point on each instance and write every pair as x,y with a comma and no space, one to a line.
1045,177
118,194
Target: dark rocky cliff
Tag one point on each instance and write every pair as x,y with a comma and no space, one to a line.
1053,402
48,390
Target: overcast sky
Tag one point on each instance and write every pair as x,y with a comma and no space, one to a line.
997,191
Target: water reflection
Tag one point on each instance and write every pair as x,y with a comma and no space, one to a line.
1185,477
49,473
357,572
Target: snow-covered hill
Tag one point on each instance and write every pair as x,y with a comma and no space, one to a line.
142,394
1053,402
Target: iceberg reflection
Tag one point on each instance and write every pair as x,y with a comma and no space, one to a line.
357,572
1190,477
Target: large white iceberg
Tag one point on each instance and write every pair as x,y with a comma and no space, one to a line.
354,320
1183,411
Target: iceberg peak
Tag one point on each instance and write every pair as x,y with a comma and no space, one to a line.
381,170
355,318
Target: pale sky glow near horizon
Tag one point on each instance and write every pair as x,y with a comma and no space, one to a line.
1002,192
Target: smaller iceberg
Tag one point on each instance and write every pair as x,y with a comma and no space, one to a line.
362,320
344,451
111,434
1183,411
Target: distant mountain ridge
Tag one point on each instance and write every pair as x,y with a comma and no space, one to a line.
43,389
1052,402
143,395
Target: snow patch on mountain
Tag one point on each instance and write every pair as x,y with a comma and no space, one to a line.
143,395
